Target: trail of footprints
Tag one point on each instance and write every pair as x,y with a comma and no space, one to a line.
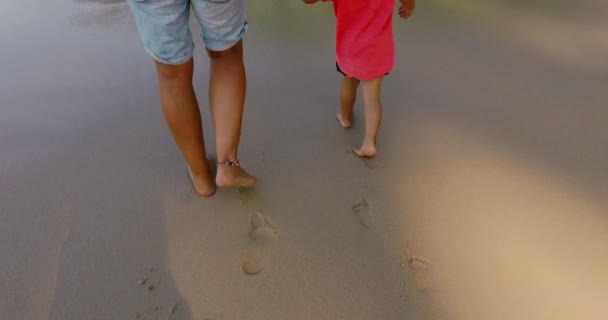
416,264
149,284
263,234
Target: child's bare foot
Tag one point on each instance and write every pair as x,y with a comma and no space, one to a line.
366,151
203,184
345,123
230,174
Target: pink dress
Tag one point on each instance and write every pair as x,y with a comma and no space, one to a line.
365,48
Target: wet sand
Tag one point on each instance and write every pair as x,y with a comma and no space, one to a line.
487,201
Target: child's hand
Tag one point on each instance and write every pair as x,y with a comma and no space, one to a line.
407,8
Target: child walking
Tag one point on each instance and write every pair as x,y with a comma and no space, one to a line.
365,53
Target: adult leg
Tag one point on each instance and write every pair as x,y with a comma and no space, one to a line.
227,98
182,113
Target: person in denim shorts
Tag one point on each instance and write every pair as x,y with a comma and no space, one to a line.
165,32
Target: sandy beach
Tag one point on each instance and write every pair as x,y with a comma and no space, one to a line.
488,200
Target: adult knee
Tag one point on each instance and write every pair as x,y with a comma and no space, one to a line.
172,72
234,51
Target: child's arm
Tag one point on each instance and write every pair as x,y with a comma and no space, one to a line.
406,9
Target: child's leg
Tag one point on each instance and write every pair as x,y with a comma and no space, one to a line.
348,94
373,117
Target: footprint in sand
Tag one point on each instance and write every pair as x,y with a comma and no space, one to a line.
254,261
150,281
362,210
414,261
417,262
150,284
419,266
263,233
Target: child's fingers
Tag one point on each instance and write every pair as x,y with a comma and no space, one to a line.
405,13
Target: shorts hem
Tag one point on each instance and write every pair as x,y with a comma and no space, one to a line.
225,45
222,45
173,62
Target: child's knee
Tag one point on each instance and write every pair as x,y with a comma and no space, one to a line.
351,82
371,90
373,85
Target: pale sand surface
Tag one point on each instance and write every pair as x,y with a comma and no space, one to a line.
487,201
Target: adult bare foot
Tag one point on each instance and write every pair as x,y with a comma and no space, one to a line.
203,184
343,122
230,174
366,151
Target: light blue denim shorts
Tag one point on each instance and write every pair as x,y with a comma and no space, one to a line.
165,31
